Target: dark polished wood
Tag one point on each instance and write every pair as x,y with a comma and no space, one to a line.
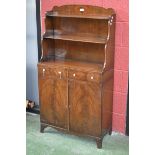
53,100
85,11
85,107
76,71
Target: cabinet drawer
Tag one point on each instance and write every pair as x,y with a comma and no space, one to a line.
77,75
44,71
94,77
52,72
85,76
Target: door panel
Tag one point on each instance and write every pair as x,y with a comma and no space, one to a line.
46,97
53,100
60,108
85,107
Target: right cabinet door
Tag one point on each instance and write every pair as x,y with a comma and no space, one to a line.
85,107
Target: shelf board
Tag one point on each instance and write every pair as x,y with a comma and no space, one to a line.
89,38
55,14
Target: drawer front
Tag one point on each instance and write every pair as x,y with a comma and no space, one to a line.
77,75
85,76
57,73
44,71
94,77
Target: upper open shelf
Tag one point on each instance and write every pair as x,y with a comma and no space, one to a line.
80,33
89,38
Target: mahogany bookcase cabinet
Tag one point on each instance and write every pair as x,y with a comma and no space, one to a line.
76,70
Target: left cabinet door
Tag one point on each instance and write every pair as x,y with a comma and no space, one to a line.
53,99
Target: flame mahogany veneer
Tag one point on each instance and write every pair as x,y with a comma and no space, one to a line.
76,70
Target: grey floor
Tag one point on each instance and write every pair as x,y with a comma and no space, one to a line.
52,142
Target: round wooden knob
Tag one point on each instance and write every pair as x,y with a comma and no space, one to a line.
74,74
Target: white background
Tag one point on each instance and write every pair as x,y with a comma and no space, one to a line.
13,77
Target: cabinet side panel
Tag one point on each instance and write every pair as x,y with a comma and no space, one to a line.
107,100
110,51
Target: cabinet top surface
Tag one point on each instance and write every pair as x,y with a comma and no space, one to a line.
77,65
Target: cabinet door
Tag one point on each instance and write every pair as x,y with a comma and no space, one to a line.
60,105
46,98
85,107
53,101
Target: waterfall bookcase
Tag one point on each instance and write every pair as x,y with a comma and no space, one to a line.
76,70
